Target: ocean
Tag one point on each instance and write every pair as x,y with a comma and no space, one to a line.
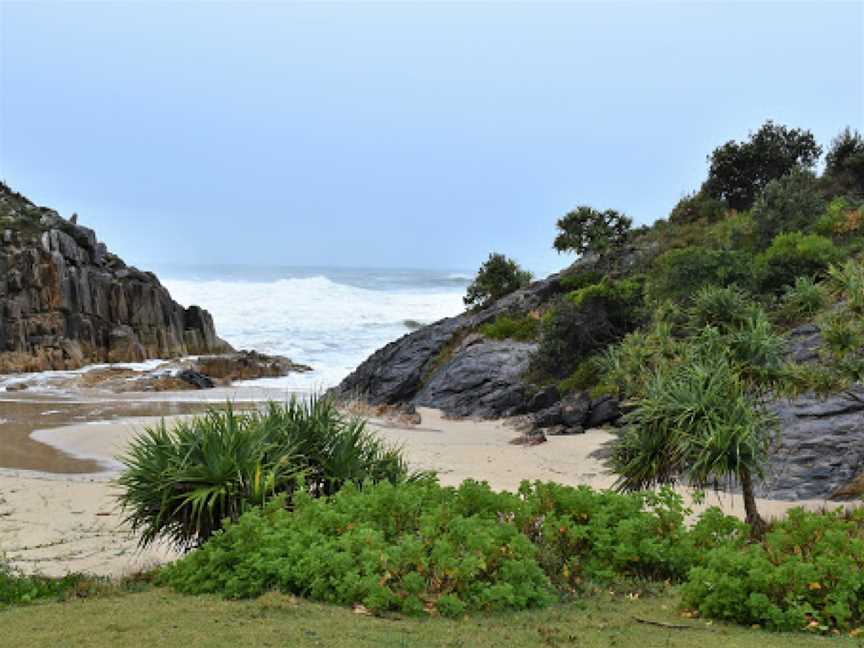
329,318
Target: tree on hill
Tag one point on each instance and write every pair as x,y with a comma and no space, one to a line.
740,170
844,163
586,230
498,276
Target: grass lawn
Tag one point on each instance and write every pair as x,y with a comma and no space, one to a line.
159,617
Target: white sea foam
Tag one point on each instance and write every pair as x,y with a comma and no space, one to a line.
330,326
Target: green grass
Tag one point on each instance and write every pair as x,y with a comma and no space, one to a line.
158,617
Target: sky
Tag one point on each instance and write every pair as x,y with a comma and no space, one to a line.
404,135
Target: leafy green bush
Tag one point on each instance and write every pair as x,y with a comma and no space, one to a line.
841,220
583,377
844,163
794,255
497,277
574,280
586,321
791,203
180,484
679,273
806,573
504,327
422,547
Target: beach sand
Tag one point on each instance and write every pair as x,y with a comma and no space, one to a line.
56,524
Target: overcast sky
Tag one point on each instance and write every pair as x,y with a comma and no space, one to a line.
396,135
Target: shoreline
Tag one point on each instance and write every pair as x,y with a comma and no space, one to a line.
59,523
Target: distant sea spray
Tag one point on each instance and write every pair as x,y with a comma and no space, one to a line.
331,319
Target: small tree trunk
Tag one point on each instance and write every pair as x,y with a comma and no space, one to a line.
752,517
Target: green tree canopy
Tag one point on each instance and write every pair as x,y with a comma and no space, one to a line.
844,163
498,276
586,229
740,170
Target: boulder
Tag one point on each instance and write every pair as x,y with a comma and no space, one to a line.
483,378
544,398
246,365
605,409
575,409
196,379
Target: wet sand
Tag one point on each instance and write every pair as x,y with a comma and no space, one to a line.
56,524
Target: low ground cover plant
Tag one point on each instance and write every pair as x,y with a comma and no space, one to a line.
806,573
418,547
21,589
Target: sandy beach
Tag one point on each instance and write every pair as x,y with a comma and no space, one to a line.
55,523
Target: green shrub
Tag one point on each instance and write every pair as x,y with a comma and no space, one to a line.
180,484
585,376
726,308
696,207
422,547
791,203
847,282
497,277
794,255
574,280
844,163
804,299
504,327
841,221
807,573
584,322
677,274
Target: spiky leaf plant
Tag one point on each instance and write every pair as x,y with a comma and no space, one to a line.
180,483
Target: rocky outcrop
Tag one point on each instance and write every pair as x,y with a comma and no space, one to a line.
819,452
203,372
66,301
447,366
482,378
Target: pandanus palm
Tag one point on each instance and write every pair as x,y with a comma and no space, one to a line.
181,483
696,423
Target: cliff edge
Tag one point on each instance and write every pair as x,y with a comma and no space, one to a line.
66,301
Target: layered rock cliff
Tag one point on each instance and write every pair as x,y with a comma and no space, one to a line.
65,300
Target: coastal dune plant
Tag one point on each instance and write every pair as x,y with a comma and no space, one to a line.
806,573
422,548
180,483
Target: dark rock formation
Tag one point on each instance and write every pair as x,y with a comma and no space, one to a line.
444,365
483,378
246,365
820,449
65,300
